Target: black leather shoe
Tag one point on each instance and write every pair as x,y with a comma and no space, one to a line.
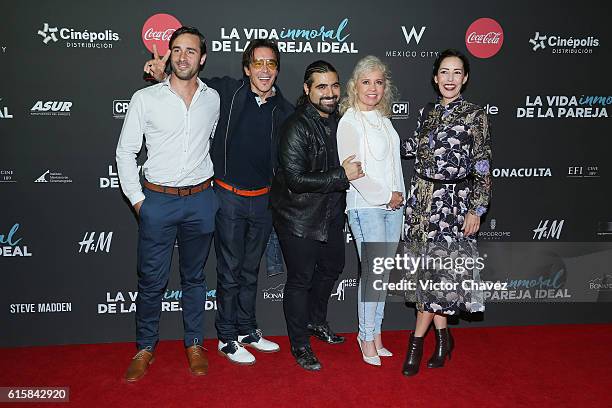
306,358
444,346
324,333
413,356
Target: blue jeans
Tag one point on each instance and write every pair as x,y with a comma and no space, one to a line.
274,256
242,231
372,225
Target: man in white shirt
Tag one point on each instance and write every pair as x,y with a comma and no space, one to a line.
177,118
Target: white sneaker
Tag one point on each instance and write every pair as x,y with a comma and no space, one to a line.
256,340
236,353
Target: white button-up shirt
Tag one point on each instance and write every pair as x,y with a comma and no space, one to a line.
177,138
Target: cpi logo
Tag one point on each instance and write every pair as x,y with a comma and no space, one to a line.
400,110
157,30
120,108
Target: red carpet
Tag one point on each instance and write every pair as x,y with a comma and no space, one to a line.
545,366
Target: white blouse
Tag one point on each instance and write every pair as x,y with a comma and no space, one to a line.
374,141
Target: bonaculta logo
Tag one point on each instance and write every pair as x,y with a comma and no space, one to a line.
78,38
484,38
157,30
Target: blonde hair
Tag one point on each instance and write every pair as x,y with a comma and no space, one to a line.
368,64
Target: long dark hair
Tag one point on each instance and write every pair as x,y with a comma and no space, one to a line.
319,67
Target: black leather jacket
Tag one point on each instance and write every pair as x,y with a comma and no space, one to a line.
303,179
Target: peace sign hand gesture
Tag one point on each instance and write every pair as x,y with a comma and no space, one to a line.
156,67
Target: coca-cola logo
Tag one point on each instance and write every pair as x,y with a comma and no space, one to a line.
484,38
157,30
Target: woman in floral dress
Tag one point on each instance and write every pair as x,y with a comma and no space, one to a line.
448,194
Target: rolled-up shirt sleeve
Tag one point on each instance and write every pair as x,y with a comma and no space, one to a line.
130,142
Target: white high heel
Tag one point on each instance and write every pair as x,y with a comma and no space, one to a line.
374,360
383,352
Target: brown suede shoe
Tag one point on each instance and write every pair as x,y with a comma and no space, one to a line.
139,365
198,362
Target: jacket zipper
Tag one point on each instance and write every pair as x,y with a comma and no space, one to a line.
227,128
272,141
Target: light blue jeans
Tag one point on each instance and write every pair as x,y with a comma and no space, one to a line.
373,225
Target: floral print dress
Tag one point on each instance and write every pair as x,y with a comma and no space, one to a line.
452,150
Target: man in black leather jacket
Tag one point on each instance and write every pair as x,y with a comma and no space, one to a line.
308,202
243,153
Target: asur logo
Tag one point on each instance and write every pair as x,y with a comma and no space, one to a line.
51,108
90,244
484,38
413,34
48,33
548,229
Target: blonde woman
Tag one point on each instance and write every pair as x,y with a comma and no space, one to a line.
374,202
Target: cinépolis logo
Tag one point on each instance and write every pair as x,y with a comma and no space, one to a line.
314,39
73,38
559,44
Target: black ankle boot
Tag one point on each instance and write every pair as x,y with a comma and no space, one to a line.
413,356
444,346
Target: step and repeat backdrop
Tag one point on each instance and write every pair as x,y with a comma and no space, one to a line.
68,237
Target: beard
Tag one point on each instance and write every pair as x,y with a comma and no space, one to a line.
185,75
326,108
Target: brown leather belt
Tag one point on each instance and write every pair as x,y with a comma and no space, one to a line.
179,191
243,193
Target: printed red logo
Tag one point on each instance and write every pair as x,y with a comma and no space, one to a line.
157,30
484,38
